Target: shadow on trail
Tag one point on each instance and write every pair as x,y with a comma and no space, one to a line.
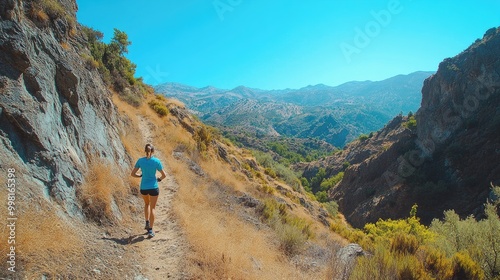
128,240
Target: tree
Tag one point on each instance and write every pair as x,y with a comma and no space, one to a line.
120,40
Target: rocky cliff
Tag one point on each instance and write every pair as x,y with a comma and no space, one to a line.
447,161
55,111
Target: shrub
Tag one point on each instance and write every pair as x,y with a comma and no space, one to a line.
292,231
267,189
90,61
363,137
131,98
39,15
291,238
411,123
321,196
160,108
436,262
466,268
404,244
203,138
101,192
270,172
478,239
279,169
53,8
391,228
332,208
331,182
345,165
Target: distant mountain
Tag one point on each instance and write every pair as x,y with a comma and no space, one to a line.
334,114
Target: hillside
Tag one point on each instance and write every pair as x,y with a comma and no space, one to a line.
447,158
333,114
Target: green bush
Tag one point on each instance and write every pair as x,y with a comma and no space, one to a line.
345,165
329,183
321,196
158,107
292,231
270,172
476,239
291,238
363,137
411,123
332,208
281,171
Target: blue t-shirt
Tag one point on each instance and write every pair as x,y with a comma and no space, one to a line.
149,166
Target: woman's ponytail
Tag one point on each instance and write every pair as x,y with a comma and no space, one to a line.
149,149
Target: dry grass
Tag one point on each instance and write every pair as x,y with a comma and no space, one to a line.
39,15
223,246
38,250
45,243
222,172
104,193
65,46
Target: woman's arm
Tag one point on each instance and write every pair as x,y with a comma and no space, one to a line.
134,173
163,175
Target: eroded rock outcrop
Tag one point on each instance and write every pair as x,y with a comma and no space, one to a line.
55,114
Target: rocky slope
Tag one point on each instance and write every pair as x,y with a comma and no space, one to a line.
55,112
333,114
447,162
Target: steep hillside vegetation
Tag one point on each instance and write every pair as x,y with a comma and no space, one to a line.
444,157
336,115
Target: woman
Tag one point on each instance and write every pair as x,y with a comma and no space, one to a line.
149,184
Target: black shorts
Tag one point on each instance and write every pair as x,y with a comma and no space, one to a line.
151,192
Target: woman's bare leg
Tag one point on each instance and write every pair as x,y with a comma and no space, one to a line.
152,206
146,206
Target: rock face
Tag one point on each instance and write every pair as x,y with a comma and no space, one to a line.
56,114
447,162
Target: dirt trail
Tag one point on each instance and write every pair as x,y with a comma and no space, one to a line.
162,254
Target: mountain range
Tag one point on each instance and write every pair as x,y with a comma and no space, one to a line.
336,115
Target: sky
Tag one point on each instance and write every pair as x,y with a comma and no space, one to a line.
282,44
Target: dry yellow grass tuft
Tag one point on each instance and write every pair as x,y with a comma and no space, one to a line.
65,46
103,192
39,15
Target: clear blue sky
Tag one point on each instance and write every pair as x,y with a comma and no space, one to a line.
289,44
